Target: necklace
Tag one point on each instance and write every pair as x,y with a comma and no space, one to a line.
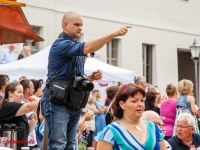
136,126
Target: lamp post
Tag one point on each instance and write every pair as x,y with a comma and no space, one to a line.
195,49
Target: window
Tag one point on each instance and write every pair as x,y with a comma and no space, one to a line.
112,52
35,45
147,57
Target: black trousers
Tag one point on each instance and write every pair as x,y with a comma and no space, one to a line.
89,139
35,146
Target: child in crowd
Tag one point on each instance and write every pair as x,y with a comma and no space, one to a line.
100,121
90,125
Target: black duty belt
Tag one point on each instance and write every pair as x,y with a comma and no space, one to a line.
47,91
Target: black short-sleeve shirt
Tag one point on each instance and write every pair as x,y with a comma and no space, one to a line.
156,109
7,116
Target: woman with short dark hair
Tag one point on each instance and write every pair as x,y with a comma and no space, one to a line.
38,89
110,92
129,131
151,102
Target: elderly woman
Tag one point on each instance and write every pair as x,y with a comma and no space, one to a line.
13,111
186,101
129,131
25,53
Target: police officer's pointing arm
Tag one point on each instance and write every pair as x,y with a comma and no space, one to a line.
96,44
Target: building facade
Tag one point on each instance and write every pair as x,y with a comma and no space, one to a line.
157,45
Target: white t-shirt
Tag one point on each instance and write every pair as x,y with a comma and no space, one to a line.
32,136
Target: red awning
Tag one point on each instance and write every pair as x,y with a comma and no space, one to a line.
14,27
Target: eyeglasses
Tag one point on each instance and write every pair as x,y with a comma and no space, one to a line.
183,127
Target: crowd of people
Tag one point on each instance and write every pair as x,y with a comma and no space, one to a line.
7,55
18,105
116,123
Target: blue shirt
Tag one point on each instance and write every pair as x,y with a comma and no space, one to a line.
61,56
7,56
177,144
182,101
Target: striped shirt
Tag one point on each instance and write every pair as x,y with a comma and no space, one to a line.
122,139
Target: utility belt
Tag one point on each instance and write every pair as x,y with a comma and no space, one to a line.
62,92
47,92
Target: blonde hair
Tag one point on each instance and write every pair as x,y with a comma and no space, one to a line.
96,94
185,86
90,98
170,90
24,48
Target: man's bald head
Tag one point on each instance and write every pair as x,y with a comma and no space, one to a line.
72,24
11,47
151,116
155,118
68,16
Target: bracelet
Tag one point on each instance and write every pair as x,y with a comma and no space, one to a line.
34,120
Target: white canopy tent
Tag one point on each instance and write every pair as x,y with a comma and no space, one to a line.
35,67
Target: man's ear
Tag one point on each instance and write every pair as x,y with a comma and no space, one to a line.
192,129
64,24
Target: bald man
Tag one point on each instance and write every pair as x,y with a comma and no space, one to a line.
155,118
7,54
62,120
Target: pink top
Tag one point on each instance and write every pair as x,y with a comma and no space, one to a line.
168,110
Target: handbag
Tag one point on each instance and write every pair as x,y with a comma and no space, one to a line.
63,92
58,89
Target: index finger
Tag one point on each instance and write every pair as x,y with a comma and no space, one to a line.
128,26
97,71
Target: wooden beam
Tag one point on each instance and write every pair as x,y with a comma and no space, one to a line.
12,3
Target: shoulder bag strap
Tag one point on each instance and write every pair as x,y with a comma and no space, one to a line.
73,72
